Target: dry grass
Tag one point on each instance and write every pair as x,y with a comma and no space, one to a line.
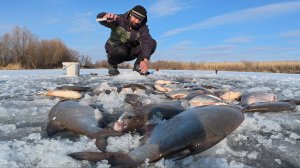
16,66
246,66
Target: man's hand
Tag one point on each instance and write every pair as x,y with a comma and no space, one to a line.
110,17
144,65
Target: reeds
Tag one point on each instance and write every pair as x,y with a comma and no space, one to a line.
245,66
16,66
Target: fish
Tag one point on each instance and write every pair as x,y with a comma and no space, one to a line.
256,97
270,107
162,88
177,94
135,119
205,99
75,88
164,82
194,130
67,94
69,115
197,88
135,87
136,100
230,96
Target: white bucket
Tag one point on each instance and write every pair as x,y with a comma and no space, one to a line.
72,68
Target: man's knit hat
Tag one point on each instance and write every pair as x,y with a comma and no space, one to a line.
139,12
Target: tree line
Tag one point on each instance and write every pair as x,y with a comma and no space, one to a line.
245,66
22,47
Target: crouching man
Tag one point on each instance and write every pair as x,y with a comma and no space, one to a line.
129,39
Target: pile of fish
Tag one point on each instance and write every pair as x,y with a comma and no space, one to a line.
192,118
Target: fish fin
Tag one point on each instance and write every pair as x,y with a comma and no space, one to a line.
101,137
180,155
114,158
101,143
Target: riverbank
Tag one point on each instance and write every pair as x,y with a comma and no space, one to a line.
292,67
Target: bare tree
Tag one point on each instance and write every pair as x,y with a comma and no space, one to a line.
31,54
20,38
86,61
6,50
101,64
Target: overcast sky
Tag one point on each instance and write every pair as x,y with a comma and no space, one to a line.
186,30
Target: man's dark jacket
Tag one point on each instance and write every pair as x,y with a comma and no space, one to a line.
122,34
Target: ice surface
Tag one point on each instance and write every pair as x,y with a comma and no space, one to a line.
129,76
262,140
123,143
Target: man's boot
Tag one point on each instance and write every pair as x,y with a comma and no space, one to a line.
113,70
136,67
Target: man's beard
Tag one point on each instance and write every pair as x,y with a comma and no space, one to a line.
135,25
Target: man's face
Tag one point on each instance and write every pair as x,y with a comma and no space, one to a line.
135,21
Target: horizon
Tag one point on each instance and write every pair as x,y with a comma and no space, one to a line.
186,31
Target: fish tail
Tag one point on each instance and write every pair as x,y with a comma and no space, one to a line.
90,156
114,158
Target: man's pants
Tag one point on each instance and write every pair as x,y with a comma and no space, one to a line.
118,53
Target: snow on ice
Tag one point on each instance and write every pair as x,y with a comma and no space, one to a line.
262,140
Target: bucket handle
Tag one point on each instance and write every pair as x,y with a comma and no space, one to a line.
65,67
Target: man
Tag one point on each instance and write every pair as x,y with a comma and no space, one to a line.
129,39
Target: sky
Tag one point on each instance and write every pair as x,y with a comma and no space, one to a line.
185,30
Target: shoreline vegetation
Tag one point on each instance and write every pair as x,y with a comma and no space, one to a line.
242,66
20,49
292,67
